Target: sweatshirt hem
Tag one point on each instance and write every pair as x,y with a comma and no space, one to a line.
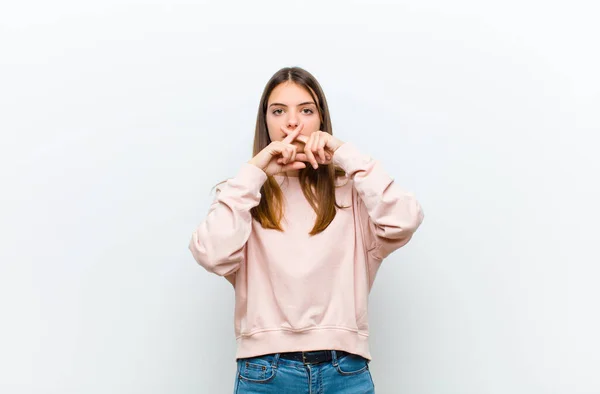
289,340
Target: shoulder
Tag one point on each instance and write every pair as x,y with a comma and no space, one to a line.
345,192
341,178
344,182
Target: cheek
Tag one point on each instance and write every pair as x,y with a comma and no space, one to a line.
273,129
312,125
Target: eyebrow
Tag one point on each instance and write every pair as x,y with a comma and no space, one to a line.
304,103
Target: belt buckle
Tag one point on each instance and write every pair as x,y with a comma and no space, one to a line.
304,358
313,360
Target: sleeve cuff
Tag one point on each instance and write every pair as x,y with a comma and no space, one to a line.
349,158
251,176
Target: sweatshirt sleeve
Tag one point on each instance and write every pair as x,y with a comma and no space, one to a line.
218,243
388,215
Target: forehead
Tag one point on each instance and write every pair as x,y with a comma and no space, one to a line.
289,93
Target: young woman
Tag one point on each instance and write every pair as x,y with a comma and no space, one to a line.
300,232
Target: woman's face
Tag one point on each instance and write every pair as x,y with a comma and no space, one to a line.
290,105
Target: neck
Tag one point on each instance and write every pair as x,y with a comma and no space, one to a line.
295,173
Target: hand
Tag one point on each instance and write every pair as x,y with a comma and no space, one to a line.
319,147
279,156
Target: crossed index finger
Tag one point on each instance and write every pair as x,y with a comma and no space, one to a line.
302,138
291,136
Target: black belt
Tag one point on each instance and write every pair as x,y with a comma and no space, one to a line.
312,357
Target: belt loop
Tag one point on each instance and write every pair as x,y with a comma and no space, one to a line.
275,360
334,358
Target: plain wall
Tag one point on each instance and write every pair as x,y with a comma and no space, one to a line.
117,118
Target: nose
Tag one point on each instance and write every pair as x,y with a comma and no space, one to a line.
292,122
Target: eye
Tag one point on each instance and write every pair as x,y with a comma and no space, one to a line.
310,111
274,112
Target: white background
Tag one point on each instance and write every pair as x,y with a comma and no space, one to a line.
117,118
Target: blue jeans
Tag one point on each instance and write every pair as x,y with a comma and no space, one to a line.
274,375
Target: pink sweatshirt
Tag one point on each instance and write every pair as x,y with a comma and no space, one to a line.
293,291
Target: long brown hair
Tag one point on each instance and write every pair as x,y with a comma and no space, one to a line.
317,185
